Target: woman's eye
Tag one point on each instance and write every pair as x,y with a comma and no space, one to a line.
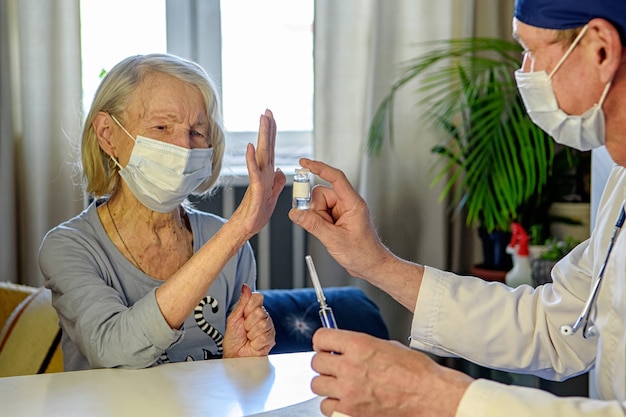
200,139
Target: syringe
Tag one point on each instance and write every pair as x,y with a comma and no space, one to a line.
326,313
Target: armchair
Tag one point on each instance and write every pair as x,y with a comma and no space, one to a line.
295,315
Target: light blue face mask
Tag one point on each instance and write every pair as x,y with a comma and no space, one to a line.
162,175
583,132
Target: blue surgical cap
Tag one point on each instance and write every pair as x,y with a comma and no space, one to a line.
569,14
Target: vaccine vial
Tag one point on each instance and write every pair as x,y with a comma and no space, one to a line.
301,189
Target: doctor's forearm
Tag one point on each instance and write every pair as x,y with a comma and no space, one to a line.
399,278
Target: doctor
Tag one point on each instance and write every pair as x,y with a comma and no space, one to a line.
573,83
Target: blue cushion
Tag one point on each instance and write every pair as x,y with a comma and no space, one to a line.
295,315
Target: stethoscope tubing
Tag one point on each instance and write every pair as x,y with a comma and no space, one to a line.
584,317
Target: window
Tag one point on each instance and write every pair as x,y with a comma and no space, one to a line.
267,61
260,53
110,31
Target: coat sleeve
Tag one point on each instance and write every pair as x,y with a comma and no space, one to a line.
486,398
499,327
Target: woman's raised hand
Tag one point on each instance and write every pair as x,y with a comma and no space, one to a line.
266,182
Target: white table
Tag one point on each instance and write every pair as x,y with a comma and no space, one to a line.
221,388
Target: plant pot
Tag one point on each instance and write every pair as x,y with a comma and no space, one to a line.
541,269
480,271
494,250
535,251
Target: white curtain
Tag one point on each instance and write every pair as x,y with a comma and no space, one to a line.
40,115
360,49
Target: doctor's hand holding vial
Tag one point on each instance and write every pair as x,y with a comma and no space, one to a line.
576,60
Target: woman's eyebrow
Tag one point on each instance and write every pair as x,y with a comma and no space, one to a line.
201,123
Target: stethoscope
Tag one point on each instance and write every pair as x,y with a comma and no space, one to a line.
584,320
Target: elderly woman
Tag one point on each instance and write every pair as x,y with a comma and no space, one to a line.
141,278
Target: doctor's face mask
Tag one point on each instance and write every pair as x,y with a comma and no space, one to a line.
162,175
583,132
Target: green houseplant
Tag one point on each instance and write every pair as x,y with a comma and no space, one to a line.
494,160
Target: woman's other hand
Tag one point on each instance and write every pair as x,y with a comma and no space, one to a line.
249,328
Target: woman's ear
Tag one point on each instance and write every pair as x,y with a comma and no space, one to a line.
103,128
608,48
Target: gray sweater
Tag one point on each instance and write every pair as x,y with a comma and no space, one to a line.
107,307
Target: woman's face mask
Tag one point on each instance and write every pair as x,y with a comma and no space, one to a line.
162,175
583,132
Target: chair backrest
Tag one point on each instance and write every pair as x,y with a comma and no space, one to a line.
30,338
11,295
295,315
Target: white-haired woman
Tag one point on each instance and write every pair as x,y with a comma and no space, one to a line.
140,277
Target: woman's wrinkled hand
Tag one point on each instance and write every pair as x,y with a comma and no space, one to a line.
266,182
249,328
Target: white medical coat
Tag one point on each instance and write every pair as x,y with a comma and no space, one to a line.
518,329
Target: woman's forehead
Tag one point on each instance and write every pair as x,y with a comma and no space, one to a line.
166,94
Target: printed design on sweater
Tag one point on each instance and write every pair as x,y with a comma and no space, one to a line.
207,328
